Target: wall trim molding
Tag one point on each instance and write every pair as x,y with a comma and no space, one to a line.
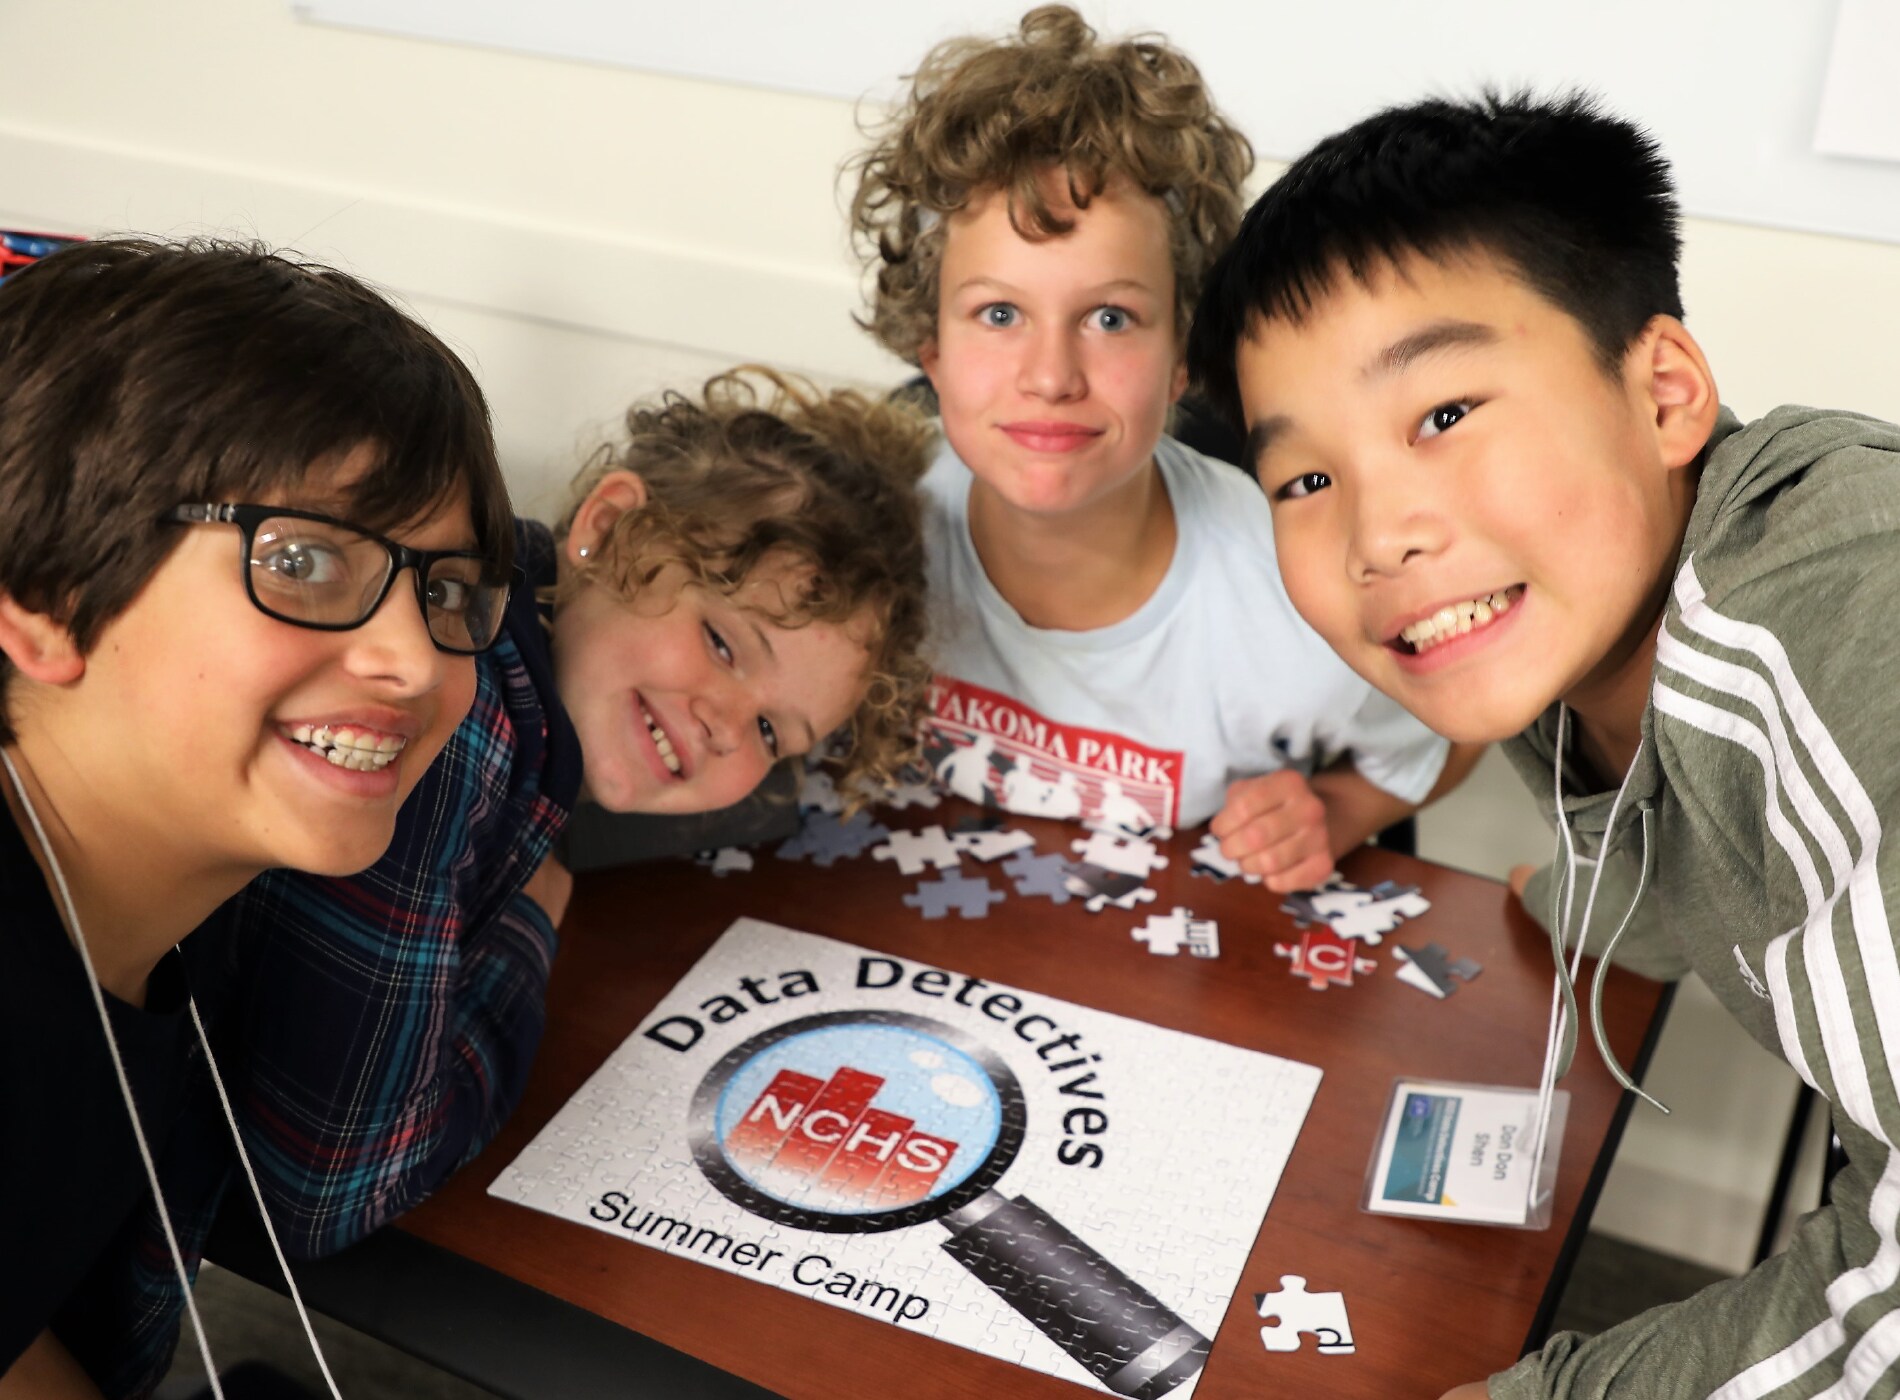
604,282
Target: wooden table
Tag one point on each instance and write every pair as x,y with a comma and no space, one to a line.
1431,1304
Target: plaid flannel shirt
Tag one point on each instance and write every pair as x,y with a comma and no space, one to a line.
384,1024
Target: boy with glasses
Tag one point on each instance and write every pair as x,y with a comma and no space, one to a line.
216,467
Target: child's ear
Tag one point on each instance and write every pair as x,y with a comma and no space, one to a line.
1178,382
1679,387
927,360
40,649
612,497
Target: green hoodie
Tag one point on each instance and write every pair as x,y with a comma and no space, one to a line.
1753,816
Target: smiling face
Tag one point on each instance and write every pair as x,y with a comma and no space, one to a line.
246,742
1474,514
1055,360
685,697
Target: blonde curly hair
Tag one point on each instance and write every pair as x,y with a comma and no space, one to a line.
986,115
762,463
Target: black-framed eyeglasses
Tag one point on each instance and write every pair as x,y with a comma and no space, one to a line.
312,570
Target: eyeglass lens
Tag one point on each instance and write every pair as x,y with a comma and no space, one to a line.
314,571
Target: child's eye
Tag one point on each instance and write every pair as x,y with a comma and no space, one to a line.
1303,485
769,734
718,644
999,314
1113,319
1442,417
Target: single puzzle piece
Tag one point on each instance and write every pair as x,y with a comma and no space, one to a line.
1125,855
1099,888
725,860
988,846
1293,1310
1170,933
1432,970
1367,915
970,895
1325,959
818,793
1210,864
1039,875
899,796
826,840
913,850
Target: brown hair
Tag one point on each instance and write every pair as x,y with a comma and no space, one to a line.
985,115
136,376
764,463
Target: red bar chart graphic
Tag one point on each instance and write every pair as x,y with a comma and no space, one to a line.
823,1142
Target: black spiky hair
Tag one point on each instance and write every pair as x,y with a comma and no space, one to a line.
1578,203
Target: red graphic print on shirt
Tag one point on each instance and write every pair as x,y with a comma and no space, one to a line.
991,749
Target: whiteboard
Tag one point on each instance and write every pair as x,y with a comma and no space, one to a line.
1732,88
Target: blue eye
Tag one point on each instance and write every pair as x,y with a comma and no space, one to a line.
1304,485
1113,319
769,734
1446,415
999,314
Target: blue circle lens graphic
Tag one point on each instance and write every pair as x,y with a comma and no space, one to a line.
858,1118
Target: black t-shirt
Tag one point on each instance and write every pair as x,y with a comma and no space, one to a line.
70,1174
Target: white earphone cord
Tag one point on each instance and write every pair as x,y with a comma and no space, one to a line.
138,1128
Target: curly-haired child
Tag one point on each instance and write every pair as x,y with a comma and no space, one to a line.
739,580
1114,644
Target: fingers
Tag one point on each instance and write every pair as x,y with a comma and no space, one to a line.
1275,827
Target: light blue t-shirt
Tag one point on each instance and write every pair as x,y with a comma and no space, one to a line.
1214,678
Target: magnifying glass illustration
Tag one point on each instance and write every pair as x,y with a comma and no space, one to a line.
865,1121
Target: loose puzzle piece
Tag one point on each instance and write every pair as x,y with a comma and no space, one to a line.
1325,959
1293,1310
818,793
1432,970
1100,888
970,895
1043,875
1170,933
1125,855
827,840
913,850
1210,864
1367,915
989,846
899,796
725,860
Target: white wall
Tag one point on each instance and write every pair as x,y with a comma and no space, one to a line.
589,234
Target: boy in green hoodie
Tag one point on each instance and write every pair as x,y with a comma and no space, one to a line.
1505,491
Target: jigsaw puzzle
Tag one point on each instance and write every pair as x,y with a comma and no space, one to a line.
811,1114
1037,875
970,895
1325,959
726,860
1099,888
825,840
1367,915
1293,1310
1170,933
1432,970
818,793
992,844
1209,863
911,851
1125,855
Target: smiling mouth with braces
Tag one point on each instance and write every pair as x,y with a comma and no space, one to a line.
668,755
359,750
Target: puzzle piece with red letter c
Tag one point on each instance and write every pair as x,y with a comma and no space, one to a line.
1293,1310
1324,958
